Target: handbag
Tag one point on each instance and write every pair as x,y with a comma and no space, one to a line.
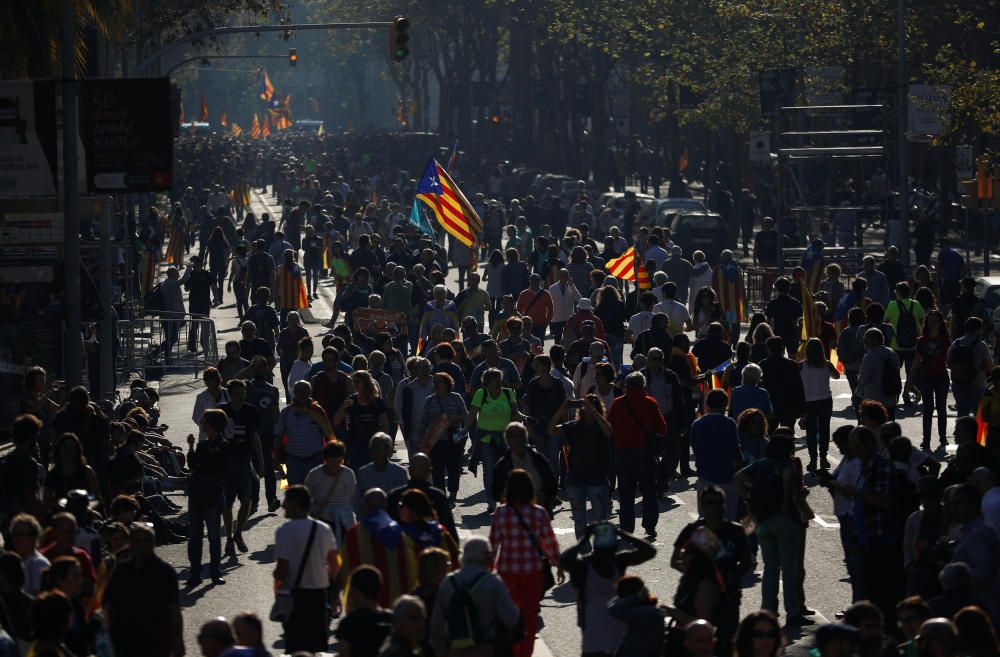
284,601
550,579
654,440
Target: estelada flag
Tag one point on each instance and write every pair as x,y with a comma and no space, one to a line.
812,263
204,108
812,321
626,268
236,129
255,127
291,288
451,209
266,88
223,120
266,130
727,281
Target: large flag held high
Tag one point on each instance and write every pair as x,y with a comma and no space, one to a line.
626,268
265,130
266,88
451,209
255,127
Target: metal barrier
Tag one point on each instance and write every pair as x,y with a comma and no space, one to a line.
171,342
759,284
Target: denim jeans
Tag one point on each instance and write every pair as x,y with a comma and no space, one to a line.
297,467
637,466
818,414
967,396
780,540
446,458
551,448
205,516
489,454
599,496
934,397
617,344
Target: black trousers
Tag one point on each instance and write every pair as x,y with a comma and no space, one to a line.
882,568
307,627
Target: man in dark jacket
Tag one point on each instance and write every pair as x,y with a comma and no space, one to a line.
420,479
783,383
663,385
519,455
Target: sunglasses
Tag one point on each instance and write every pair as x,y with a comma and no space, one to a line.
768,634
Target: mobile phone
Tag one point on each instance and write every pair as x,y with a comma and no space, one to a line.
605,535
574,403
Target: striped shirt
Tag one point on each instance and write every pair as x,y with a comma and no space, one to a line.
435,407
305,437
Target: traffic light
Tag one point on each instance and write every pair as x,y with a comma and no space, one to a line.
399,39
293,56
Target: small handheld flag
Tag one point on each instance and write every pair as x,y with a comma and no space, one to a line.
453,160
224,120
418,218
625,268
204,108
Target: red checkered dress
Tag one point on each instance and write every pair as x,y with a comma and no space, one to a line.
514,551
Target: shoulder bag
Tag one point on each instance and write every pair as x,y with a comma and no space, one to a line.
284,601
550,579
654,441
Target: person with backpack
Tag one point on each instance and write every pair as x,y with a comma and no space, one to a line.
473,610
260,268
906,316
768,485
491,410
969,361
878,378
929,375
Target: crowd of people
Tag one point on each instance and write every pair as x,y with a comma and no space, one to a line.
565,385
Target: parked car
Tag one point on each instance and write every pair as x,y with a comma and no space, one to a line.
699,231
617,200
651,214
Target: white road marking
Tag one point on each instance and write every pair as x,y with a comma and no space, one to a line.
825,524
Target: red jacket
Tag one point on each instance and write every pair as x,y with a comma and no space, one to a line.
630,433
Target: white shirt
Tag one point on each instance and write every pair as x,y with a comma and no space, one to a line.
639,322
34,566
300,369
563,301
203,402
847,473
676,311
290,542
991,508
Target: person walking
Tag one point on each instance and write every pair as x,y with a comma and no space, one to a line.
334,489
969,361
929,376
242,450
565,296
715,442
365,414
206,495
305,429
589,464
491,410
525,546
639,423
816,372
475,586
305,553
876,380
768,486
288,346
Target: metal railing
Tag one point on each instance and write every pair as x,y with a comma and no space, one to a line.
172,342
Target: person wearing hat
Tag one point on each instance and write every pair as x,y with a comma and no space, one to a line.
584,313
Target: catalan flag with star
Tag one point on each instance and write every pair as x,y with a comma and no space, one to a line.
266,88
450,207
627,268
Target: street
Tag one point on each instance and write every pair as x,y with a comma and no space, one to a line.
249,579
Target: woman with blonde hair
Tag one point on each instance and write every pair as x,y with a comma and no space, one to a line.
366,413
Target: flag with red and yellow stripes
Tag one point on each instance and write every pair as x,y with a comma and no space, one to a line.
204,108
266,130
255,127
236,129
627,268
223,120
452,210
291,288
